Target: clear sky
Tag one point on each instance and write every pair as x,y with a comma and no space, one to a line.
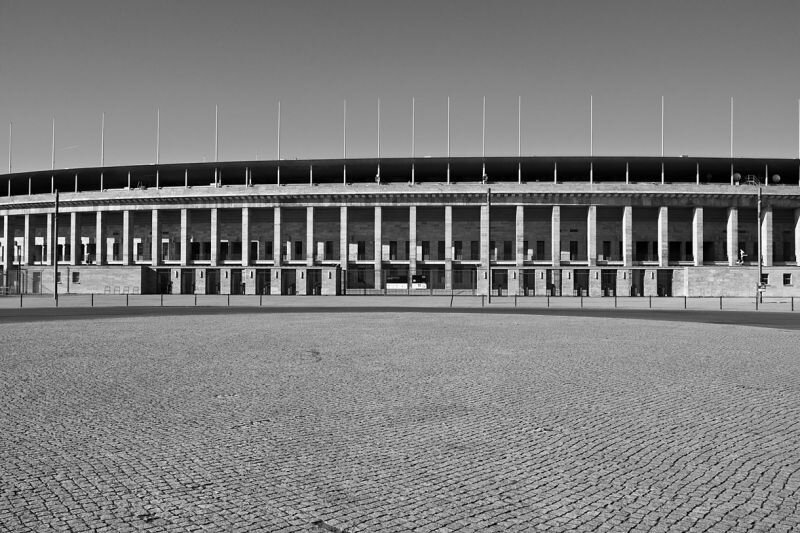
74,60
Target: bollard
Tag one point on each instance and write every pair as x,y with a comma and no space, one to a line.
195,300
581,301
615,301
756,299
548,301
126,300
684,302
92,299
650,304
792,303
162,300
229,300
20,299
720,303
482,300
451,300
515,300
260,296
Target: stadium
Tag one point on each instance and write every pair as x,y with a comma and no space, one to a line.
524,226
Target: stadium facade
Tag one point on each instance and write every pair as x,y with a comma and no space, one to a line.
592,226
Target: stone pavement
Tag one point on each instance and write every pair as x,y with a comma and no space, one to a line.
397,422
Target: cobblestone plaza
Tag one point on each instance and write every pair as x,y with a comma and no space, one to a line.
398,422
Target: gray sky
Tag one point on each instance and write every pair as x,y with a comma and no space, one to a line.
74,60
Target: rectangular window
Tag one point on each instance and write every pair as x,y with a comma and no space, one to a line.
525,250
268,251
474,250
254,251
507,251
362,250
540,250
165,251
236,250
573,250
139,250
787,279
58,277
328,250
689,251
76,277
223,250
440,251
492,251
392,250
606,250
654,255
765,279
459,250
426,250
298,249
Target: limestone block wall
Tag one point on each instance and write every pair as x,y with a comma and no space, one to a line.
466,230
430,228
573,229
80,279
262,224
502,230
394,228
537,227
326,229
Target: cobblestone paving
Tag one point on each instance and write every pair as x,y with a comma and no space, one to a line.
398,422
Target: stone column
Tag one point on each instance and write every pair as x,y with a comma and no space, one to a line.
627,236
277,245
797,236
309,236
591,235
378,246
27,252
246,240
343,252
484,281
48,245
99,240
697,236
155,235
555,236
215,236
766,235
184,237
448,247
8,243
73,238
732,244
663,236
412,241
519,235
127,242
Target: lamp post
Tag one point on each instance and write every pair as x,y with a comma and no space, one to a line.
753,179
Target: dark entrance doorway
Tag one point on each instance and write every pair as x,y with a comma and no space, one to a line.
187,281
664,282
288,281
528,282
314,281
499,282
237,287
163,284
637,282
212,281
262,282
608,282
553,282
581,282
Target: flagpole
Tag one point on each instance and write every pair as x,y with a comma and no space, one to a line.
731,140
519,139
662,139
10,137
158,143
216,145
279,142
344,144
102,147
378,176
448,140
483,142
591,138
413,124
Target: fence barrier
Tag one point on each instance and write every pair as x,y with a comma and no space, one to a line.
451,299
